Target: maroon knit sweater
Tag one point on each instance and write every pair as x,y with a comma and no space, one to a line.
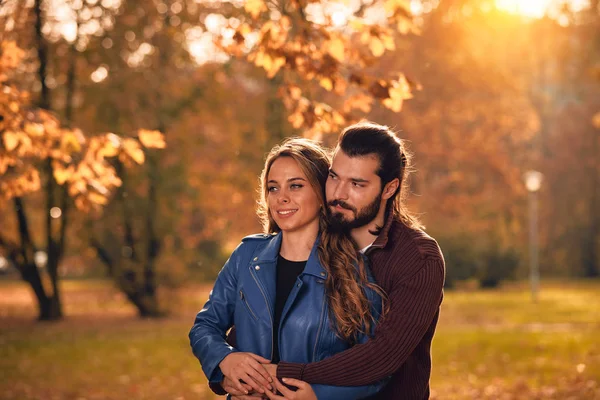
409,267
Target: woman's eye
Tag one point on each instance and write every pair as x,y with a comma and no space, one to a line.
271,189
296,186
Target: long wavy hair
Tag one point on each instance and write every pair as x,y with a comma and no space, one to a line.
345,285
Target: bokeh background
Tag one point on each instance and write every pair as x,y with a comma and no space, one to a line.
132,134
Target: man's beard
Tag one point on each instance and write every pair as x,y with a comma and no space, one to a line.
337,222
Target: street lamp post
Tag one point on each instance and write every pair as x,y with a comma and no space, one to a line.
533,182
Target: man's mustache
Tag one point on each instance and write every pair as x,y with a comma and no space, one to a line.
342,204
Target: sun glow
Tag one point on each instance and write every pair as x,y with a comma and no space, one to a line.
538,8
529,8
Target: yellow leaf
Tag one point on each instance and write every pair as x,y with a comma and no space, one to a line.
340,85
295,92
108,150
152,139
97,198
11,140
388,42
62,174
319,110
326,83
404,26
133,150
70,143
335,47
394,103
80,203
85,171
33,129
365,37
258,58
255,7
360,101
376,46
356,24
338,118
6,162
99,187
276,64
285,22
296,119
393,5
267,62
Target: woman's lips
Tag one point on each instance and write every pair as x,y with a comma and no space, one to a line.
286,213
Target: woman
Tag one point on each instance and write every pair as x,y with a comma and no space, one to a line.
296,293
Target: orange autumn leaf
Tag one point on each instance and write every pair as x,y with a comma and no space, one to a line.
255,7
132,149
335,47
11,140
152,139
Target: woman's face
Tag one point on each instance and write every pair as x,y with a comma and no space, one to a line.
292,201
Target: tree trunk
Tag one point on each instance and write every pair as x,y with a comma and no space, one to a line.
591,269
146,304
42,49
50,309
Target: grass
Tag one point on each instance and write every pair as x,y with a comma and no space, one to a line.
489,345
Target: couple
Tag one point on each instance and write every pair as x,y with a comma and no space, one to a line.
340,297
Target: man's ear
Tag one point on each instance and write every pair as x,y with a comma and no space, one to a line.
390,188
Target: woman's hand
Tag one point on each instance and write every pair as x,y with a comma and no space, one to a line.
230,387
304,391
246,367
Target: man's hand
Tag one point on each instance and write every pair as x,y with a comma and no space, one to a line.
272,370
246,367
304,391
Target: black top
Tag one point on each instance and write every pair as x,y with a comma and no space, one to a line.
286,274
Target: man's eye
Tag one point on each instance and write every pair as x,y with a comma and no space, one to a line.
332,176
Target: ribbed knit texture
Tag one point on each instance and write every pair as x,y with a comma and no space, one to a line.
409,267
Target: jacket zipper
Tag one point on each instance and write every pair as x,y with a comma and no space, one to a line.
247,305
268,308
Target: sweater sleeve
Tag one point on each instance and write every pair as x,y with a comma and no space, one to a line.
413,306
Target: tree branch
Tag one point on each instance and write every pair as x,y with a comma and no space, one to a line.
103,255
12,250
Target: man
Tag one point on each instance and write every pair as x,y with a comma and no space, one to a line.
365,193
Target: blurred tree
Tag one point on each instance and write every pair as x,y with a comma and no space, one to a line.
312,46
38,153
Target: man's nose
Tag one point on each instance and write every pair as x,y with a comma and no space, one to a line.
340,192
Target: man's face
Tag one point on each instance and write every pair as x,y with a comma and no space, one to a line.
353,191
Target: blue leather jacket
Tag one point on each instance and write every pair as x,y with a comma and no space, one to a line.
244,296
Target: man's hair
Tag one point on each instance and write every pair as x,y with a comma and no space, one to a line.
370,139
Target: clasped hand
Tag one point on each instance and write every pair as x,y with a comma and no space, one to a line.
249,376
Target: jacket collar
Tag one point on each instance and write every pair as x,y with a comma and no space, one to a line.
270,252
381,240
